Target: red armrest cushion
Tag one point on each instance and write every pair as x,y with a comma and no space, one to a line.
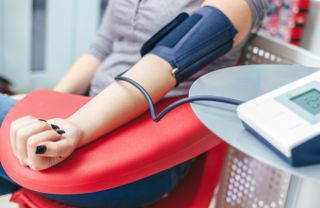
137,150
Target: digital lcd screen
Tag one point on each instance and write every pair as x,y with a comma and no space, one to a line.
309,101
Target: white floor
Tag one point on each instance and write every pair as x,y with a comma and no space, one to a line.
5,203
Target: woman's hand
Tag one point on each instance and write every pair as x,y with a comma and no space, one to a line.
41,144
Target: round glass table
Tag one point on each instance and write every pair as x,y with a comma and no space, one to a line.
254,176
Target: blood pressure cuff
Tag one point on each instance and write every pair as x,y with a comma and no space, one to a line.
188,43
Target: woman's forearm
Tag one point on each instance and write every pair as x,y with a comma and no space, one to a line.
77,80
120,102
41,144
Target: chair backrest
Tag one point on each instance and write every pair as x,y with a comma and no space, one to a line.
264,50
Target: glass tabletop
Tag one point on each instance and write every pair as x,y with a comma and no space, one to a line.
244,83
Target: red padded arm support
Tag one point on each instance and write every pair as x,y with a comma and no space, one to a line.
137,150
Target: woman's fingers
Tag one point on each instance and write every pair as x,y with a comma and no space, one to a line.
16,126
41,144
35,149
24,134
59,148
36,143
48,148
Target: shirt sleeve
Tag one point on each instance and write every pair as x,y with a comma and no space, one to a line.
101,46
259,9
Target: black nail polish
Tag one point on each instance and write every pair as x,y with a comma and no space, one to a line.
59,131
55,127
41,149
42,120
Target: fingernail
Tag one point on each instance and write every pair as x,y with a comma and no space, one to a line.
55,127
41,149
59,131
42,120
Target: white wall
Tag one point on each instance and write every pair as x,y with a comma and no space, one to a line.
70,27
1,36
15,19
311,40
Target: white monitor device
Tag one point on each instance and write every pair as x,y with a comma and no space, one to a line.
288,120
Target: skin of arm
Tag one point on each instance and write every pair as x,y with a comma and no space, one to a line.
78,78
154,74
114,106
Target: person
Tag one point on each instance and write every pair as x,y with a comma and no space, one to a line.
126,26
5,86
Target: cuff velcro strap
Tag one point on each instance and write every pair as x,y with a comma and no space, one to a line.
194,42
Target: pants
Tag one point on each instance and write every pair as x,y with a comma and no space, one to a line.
136,194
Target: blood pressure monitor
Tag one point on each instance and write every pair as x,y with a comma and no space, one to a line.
288,120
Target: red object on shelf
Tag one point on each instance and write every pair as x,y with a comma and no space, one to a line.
295,42
298,5
299,18
286,19
296,32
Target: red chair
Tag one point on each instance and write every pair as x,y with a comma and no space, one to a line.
196,189
160,147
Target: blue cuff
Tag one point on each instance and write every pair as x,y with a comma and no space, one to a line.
195,41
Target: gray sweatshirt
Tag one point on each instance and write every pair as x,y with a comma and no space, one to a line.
127,24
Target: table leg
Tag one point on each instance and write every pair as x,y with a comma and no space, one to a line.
303,193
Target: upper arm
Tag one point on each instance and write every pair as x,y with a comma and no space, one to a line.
243,13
